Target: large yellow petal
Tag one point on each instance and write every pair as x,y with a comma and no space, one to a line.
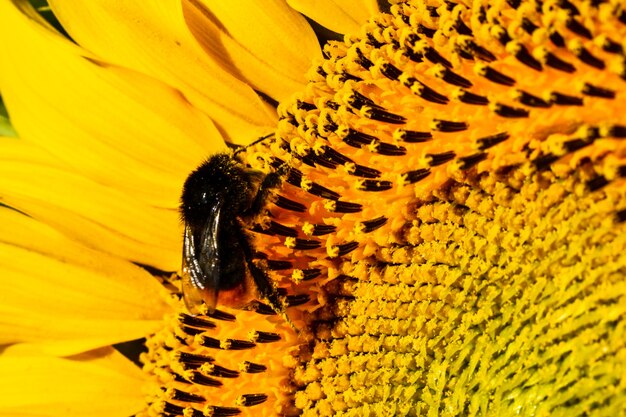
101,384
99,216
63,298
341,16
270,45
114,125
152,37
28,233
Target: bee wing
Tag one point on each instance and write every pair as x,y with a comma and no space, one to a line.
201,266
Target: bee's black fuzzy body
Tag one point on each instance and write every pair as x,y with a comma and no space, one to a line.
217,199
219,179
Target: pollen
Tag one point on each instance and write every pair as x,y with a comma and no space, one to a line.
455,201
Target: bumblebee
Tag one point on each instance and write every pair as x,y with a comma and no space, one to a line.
218,198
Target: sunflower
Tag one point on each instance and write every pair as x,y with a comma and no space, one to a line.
448,238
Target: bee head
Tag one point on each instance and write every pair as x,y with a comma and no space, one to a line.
219,180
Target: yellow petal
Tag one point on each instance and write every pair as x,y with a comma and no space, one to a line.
27,233
268,43
341,16
107,385
101,217
114,125
63,298
153,38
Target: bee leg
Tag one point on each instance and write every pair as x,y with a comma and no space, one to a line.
263,282
271,181
266,290
269,294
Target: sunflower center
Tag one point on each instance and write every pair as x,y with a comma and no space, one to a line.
450,230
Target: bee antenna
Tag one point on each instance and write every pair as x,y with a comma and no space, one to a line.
240,148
